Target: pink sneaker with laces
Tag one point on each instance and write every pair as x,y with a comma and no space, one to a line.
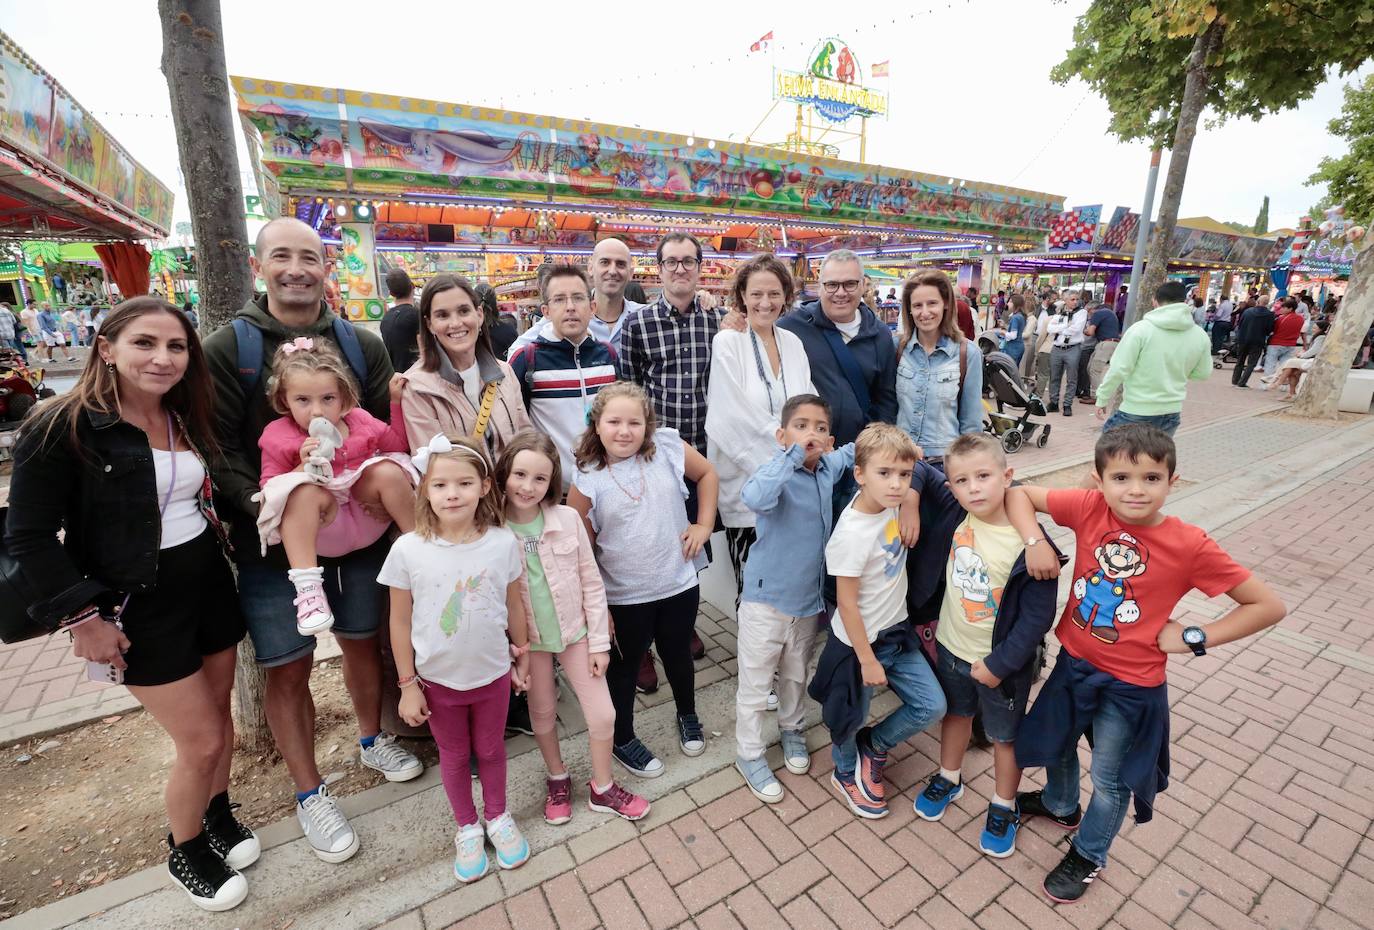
312,609
558,801
617,801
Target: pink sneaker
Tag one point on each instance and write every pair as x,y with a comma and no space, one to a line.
617,801
558,801
312,609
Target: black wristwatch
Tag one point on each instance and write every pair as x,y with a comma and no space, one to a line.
1195,638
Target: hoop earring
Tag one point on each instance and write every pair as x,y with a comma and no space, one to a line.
110,367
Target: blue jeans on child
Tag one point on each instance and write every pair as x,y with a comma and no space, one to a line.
910,677
1168,422
1113,732
966,696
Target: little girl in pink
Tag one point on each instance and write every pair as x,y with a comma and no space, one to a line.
334,477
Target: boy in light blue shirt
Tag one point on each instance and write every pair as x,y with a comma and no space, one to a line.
783,580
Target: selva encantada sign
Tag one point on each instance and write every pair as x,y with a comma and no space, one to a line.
832,84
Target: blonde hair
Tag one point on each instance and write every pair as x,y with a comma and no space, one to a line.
490,510
319,358
973,443
531,440
883,439
591,451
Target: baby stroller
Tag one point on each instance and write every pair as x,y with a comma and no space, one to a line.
1002,379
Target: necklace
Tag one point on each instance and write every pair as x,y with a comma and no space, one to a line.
643,482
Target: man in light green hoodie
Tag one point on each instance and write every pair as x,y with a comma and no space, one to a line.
1154,363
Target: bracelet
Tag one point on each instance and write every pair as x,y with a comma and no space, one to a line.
86,616
412,680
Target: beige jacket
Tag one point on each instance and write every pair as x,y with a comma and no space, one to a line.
433,404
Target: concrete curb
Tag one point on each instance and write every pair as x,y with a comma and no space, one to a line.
407,831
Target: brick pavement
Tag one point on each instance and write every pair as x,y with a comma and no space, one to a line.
1266,824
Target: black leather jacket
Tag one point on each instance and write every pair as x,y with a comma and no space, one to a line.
104,497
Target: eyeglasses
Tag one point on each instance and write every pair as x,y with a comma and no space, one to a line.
833,287
577,300
685,264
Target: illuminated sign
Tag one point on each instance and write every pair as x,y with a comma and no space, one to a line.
832,84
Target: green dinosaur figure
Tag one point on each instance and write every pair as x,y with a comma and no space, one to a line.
822,67
453,610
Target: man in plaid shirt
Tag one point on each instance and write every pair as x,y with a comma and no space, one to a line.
666,346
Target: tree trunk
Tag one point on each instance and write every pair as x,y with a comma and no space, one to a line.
1322,386
202,114
1194,97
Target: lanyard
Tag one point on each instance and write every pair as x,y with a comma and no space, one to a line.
763,373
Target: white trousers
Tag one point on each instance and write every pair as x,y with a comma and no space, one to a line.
770,642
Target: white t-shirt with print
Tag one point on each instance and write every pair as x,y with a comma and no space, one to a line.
869,547
458,619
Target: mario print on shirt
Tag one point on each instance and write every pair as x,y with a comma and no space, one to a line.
969,573
1104,594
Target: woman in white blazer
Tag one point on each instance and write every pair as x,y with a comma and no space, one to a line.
752,374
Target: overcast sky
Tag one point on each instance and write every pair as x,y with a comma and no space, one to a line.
969,86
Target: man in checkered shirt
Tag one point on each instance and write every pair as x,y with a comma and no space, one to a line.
666,346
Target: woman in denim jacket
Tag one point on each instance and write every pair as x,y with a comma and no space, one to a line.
939,373
118,464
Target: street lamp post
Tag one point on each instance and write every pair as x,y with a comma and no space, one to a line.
1142,238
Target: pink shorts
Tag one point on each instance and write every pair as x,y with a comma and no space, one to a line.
351,530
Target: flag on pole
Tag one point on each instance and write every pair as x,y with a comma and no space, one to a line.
880,69
762,44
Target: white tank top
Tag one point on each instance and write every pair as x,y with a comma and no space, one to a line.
182,521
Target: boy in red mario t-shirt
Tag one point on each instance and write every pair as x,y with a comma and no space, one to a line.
1132,566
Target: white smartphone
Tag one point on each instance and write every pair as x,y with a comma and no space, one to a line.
104,672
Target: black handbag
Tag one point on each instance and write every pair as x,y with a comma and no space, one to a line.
15,596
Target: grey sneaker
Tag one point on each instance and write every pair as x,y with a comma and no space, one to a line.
759,777
794,754
326,828
395,763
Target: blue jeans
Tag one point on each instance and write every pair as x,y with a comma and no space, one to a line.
358,602
1002,715
1274,356
1168,422
1113,732
910,677
18,343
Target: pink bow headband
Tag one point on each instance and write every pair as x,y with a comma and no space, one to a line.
299,344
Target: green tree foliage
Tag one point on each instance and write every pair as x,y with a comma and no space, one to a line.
1262,221
1349,180
1161,63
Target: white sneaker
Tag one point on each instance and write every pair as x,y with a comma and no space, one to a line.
326,828
511,849
470,860
395,763
772,700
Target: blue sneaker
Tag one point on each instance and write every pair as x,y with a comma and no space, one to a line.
998,838
849,792
470,863
939,794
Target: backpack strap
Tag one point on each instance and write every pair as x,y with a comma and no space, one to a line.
248,338
528,354
963,372
346,337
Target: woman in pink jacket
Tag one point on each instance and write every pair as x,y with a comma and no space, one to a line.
565,603
459,386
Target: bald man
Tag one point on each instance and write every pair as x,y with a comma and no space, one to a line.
290,262
611,270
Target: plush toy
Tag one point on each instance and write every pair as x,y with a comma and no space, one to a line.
330,441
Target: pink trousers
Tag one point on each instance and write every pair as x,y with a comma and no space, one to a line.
592,693
465,723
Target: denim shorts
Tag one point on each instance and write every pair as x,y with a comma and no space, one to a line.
358,602
1001,715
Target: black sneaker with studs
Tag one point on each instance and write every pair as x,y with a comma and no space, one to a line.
1068,881
237,845
1032,804
202,874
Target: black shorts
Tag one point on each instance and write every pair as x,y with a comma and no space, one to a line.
192,612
